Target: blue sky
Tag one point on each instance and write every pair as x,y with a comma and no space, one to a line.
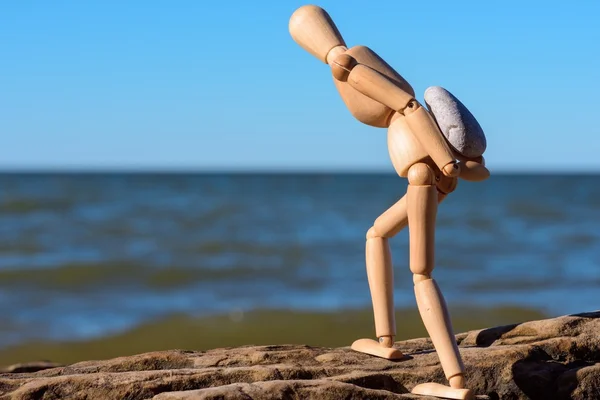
202,85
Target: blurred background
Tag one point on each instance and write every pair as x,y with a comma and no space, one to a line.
184,175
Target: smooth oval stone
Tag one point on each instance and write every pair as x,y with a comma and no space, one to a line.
456,122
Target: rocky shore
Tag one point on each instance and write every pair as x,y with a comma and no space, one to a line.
555,358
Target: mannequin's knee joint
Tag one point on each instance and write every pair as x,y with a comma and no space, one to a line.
372,233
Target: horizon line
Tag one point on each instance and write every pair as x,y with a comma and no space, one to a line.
265,171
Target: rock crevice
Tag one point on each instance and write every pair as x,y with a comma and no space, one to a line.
556,358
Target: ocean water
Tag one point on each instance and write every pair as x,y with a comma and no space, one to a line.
88,255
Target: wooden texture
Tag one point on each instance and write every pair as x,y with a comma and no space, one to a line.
376,95
372,347
428,134
434,313
342,65
334,53
403,146
393,220
473,171
375,85
446,184
457,381
381,284
422,204
364,108
312,28
438,390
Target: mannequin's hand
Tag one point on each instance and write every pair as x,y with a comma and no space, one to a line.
474,170
452,170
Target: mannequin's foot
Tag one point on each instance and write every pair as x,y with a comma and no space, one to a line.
446,392
374,348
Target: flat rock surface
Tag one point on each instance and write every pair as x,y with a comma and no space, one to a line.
548,359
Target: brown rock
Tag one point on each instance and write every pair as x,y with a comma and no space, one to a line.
33,366
550,359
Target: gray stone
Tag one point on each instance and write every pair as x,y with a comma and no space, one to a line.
456,122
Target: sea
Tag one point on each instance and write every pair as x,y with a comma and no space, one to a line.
86,255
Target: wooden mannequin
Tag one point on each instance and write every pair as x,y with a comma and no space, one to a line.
378,96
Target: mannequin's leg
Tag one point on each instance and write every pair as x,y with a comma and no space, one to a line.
380,274
422,201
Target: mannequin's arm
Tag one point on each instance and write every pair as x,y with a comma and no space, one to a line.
380,88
